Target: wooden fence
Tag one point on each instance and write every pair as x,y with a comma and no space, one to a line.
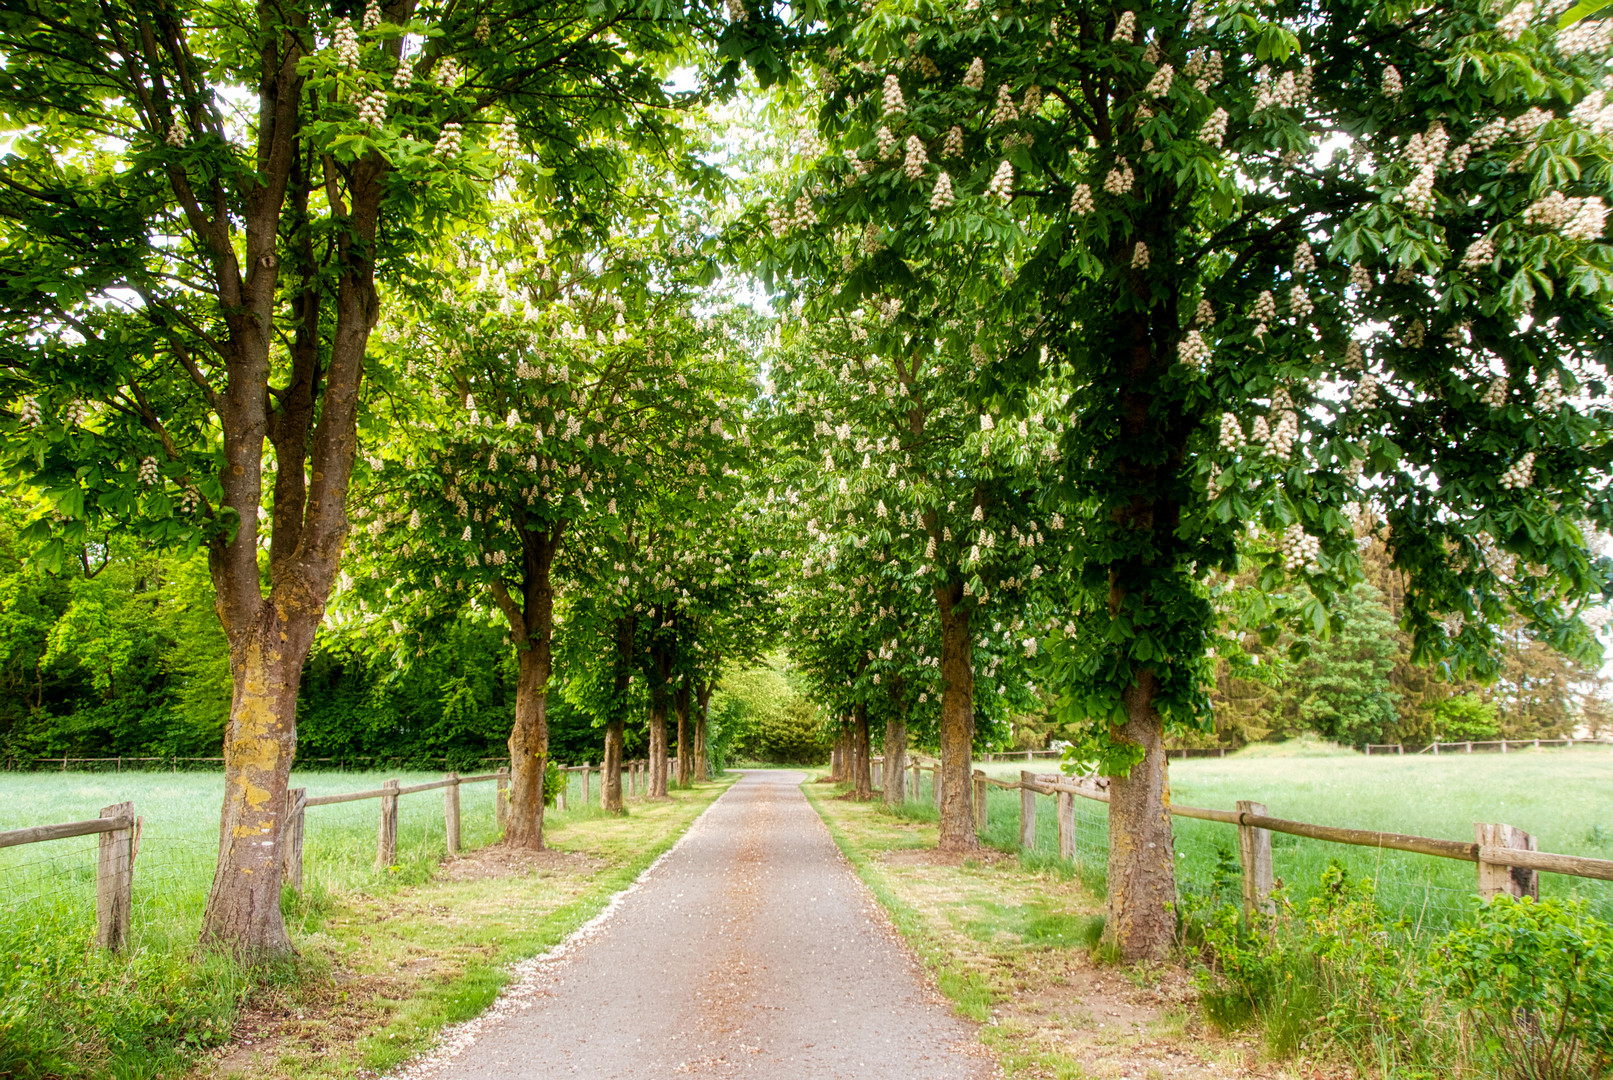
1506,856
1481,745
119,830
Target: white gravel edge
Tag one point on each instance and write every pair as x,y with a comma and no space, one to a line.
528,977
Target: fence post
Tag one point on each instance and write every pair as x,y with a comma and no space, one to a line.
916,775
1400,748
980,801
501,804
587,767
1498,878
114,879
935,783
1066,814
565,788
450,812
1027,810
1254,851
386,843
291,838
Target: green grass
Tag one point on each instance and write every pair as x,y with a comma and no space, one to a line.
67,1009
1561,796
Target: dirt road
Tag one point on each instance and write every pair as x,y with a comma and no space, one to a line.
750,950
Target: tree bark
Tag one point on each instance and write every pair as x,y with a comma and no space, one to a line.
243,907
1142,881
862,780
957,722
662,659
837,758
610,775
893,773
702,760
680,704
532,629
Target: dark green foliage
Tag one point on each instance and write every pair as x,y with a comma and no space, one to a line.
1342,690
1537,981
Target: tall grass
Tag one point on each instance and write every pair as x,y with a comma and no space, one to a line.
1561,796
67,1009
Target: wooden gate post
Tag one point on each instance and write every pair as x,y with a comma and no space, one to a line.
450,812
1496,878
980,801
501,801
114,879
1027,810
588,767
1066,809
1254,851
386,844
291,838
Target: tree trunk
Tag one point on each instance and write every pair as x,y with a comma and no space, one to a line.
837,758
893,775
862,779
529,749
243,907
680,703
657,750
702,761
1142,869
610,770
957,722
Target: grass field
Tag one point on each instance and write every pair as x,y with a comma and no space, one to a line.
66,1009
1563,797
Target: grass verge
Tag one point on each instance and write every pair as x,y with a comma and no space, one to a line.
1008,941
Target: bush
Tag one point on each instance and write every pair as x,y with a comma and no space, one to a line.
1465,718
1536,979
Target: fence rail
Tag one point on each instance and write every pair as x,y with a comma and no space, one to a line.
1480,745
119,830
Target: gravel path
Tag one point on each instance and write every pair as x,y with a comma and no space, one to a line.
750,950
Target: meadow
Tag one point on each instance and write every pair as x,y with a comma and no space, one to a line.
1563,797
142,1013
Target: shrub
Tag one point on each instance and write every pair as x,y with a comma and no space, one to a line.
1536,979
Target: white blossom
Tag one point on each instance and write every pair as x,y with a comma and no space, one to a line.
1081,202
892,97
1125,27
942,197
913,167
1139,256
1160,84
1002,182
1214,128
1392,86
1120,178
1299,302
975,77
1521,473
1005,112
1193,350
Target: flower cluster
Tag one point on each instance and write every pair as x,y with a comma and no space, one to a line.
737,12
28,413
942,197
148,473
448,141
1125,27
1214,128
1160,84
1033,101
1280,441
1299,548
1392,86
1081,200
1587,35
507,143
1204,314
1304,259
1479,254
1495,395
1515,22
1139,256
975,77
1286,92
1549,394
886,140
345,41
952,145
1594,112
1573,218
1120,178
1193,350
1521,473
77,413
190,500
1002,182
1005,112
892,97
913,166
449,73
402,77
1204,68
176,136
1299,302
1365,394
1231,432
372,108
1354,358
